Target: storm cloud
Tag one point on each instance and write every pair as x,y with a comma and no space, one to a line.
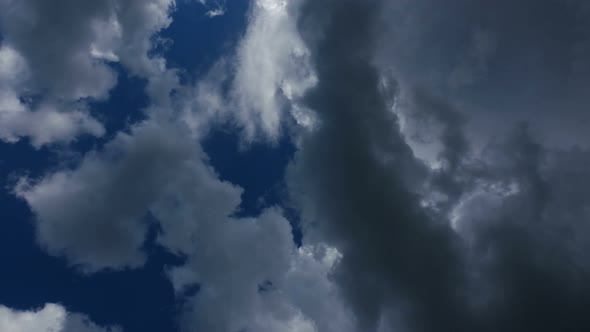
409,265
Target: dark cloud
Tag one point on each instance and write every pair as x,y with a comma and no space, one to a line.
524,59
527,249
505,253
355,171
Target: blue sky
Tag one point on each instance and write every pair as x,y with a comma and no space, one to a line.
294,166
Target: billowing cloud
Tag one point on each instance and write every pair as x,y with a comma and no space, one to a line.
523,60
94,214
55,56
50,318
249,271
267,74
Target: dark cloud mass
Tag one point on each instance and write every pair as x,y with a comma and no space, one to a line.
508,256
356,168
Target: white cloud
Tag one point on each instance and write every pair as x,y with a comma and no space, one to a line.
93,214
216,8
59,53
268,73
229,257
272,64
50,318
308,286
47,123
232,259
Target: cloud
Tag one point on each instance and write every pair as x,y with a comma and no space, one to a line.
413,219
309,286
267,74
498,256
357,171
94,214
50,318
248,270
475,65
57,55
49,122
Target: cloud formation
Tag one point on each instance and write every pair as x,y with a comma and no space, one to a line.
50,318
267,74
500,260
426,203
56,56
95,214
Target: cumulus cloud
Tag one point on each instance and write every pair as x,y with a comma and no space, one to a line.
59,53
48,122
523,59
50,318
94,214
249,271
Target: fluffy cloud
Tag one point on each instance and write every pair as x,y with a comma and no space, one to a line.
93,214
59,53
249,272
49,122
357,173
267,74
51,318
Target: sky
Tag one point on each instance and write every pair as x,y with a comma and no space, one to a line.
294,165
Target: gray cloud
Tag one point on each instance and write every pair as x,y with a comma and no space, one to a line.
55,56
527,225
355,171
93,214
501,254
50,318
